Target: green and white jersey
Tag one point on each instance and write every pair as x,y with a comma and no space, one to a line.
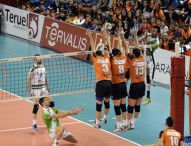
38,76
154,42
51,124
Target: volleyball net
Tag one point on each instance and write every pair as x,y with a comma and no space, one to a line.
66,73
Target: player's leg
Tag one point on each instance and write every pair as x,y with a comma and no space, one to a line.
99,102
117,110
35,92
136,113
107,91
67,136
123,103
148,84
57,134
124,111
130,109
133,96
141,92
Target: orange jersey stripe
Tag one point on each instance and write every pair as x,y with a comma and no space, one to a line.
102,66
137,69
171,137
118,67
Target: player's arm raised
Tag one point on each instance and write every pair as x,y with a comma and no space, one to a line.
125,44
90,34
106,37
119,45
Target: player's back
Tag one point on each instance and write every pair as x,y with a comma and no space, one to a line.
102,66
171,137
137,69
119,67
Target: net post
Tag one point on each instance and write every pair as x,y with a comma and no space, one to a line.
177,92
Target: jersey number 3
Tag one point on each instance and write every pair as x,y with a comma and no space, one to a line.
105,68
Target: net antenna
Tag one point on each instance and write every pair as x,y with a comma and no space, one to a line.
66,73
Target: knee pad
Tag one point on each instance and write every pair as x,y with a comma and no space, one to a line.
107,105
35,109
123,107
148,80
52,104
98,107
117,110
137,108
130,109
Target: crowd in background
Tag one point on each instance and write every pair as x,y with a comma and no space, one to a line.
173,17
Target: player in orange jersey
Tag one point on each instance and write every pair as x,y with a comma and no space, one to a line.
119,87
170,137
137,76
102,67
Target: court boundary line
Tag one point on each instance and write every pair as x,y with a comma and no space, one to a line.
44,126
82,122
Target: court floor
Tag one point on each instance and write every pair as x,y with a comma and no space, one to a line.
16,118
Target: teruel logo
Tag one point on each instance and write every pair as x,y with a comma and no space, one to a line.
25,22
33,26
58,36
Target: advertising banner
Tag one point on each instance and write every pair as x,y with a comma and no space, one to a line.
22,23
63,37
163,66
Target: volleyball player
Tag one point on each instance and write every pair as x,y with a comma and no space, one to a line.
170,137
102,67
119,88
51,116
153,40
137,76
37,86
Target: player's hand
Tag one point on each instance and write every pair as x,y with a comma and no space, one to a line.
76,110
134,31
79,109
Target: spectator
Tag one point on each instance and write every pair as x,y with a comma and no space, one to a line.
81,21
167,43
158,12
163,28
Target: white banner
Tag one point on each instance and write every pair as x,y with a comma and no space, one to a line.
163,66
22,23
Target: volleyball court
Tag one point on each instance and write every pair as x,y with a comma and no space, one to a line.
67,73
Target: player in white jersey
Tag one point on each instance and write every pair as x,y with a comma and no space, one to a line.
37,86
153,40
51,118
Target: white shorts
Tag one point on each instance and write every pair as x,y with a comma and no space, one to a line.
64,134
39,92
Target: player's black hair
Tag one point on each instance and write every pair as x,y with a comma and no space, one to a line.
137,52
41,100
158,28
116,52
99,53
169,121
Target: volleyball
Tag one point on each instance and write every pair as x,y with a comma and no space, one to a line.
108,26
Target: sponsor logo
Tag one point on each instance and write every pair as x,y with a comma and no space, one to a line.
26,22
33,26
55,36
